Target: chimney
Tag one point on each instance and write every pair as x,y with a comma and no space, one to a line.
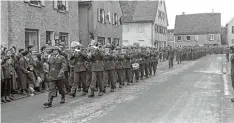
183,13
212,10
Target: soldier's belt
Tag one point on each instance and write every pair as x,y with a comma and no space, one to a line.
97,61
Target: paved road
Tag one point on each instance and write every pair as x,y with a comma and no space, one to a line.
192,92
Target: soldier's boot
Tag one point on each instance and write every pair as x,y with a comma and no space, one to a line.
232,100
79,89
112,90
3,100
91,93
100,93
62,99
7,99
104,90
73,93
83,93
49,103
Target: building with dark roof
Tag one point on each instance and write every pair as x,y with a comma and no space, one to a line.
198,29
144,23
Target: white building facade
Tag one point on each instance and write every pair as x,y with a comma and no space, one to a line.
230,32
147,26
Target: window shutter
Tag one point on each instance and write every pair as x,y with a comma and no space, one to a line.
109,17
26,1
113,18
67,5
42,2
103,17
55,4
98,14
116,20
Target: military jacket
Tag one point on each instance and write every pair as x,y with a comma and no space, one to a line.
57,66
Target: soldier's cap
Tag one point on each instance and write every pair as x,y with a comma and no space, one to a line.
25,52
20,50
29,46
124,47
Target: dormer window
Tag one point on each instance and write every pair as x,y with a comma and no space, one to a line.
211,37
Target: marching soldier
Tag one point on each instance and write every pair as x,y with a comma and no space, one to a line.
170,57
110,66
227,51
127,64
57,64
97,69
79,58
119,67
135,61
147,62
141,62
155,60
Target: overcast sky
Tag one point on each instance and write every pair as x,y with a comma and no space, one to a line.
176,7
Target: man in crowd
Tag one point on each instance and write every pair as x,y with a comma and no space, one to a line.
57,65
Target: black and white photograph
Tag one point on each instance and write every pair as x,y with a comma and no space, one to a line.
117,61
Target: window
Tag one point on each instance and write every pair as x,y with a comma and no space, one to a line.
211,37
102,15
63,38
156,28
116,41
179,38
101,40
49,37
188,38
108,17
115,19
31,38
109,41
196,37
140,29
61,6
232,29
37,3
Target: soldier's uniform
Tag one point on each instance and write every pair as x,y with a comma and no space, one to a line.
232,73
227,51
171,58
57,64
97,71
154,61
79,71
147,63
119,67
135,58
142,63
127,66
110,68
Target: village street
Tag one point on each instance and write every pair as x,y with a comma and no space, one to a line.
195,91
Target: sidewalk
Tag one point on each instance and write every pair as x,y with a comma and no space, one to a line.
227,106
